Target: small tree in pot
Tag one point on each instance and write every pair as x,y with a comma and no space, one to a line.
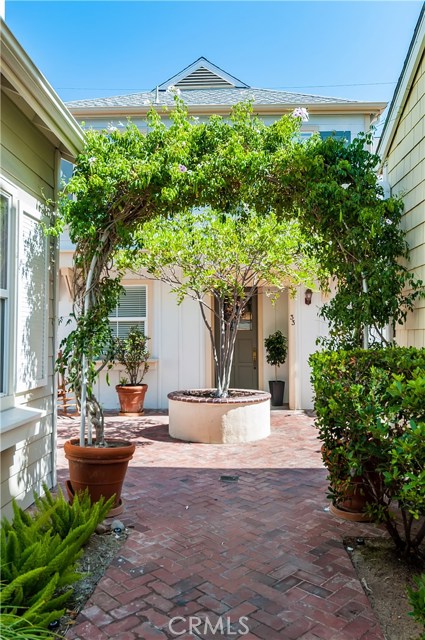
132,352
276,351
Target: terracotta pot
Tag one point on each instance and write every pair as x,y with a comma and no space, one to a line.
352,516
132,398
99,469
356,496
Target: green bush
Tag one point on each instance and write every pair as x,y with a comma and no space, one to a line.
370,409
133,353
417,601
39,552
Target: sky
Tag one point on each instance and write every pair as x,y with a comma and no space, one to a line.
351,50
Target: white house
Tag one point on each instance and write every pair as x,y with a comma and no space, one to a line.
36,132
181,356
402,150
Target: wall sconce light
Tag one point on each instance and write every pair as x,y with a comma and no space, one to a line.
307,296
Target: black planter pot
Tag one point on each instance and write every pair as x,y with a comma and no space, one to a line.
277,390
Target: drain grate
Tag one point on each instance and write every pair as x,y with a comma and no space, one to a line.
229,478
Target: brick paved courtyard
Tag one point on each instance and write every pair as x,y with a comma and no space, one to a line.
260,553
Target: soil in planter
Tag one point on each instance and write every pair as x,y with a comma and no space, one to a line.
385,578
210,393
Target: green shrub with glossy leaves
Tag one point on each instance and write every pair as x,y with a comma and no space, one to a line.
417,601
370,407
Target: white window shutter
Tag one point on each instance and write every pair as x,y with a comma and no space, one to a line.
32,305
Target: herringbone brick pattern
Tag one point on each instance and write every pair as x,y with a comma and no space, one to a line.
256,558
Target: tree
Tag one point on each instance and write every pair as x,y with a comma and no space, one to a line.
125,178
119,179
356,234
220,260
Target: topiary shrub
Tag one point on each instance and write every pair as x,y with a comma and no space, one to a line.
38,556
370,407
276,349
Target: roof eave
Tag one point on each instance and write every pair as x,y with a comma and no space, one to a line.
402,90
32,86
369,108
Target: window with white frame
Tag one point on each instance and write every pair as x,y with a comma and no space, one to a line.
340,135
33,300
24,294
5,207
130,312
305,135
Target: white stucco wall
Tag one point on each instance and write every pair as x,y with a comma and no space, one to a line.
273,317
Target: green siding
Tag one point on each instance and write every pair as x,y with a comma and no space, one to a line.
27,157
28,162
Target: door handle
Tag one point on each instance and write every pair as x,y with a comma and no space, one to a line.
254,358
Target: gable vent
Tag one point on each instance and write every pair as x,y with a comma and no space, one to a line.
202,78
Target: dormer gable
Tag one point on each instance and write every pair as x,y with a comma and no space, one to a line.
203,74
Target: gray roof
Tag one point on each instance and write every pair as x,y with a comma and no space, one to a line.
202,83
200,97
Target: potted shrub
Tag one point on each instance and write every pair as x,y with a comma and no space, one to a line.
276,352
370,418
132,352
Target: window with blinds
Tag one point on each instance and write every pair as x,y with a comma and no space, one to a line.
130,312
33,301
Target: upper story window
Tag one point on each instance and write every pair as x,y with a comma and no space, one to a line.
130,312
342,135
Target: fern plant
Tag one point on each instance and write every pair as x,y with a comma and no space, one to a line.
15,627
39,553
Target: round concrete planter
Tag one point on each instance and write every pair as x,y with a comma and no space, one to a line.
197,418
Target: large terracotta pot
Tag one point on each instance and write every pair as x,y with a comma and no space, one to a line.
132,398
353,504
99,469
